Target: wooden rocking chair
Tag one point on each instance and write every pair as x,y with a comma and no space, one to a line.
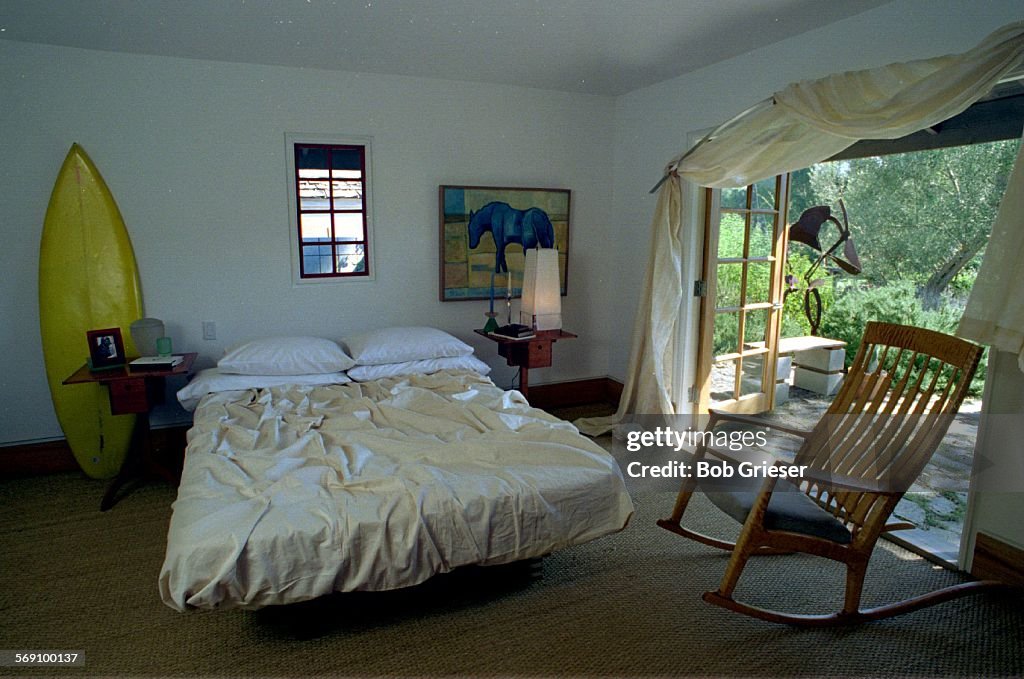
894,407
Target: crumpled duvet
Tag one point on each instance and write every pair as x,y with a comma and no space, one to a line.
290,493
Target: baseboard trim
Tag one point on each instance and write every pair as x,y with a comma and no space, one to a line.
576,393
36,459
997,560
55,457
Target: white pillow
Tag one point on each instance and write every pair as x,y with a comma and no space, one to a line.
398,345
365,373
213,380
285,356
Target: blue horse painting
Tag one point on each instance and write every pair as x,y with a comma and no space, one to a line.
530,228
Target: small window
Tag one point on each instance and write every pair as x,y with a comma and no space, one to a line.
330,198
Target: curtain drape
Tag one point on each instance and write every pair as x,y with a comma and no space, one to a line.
813,120
801,125
648,387
995,309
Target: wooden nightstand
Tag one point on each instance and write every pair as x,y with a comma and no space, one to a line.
134,392
528,353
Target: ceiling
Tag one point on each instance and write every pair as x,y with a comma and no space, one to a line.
604,47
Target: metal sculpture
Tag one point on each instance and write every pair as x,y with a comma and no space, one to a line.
807,230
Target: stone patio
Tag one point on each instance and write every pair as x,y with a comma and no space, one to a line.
937,501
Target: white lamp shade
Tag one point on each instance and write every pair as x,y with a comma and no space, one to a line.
542,290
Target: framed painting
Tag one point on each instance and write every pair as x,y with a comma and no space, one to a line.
485,232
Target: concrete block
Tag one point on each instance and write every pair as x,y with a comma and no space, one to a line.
753,367
818,382
822,360
784,368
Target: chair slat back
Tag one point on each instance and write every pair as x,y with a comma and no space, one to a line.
894,407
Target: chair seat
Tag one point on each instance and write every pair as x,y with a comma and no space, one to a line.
789,509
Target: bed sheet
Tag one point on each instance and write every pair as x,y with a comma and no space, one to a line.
289,493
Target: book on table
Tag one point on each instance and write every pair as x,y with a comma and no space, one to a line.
514,331
155,363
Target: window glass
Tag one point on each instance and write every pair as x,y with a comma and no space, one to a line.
331,215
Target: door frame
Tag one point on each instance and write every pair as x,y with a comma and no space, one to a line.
684,378
763,400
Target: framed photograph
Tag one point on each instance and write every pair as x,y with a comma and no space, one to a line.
106,348
485,232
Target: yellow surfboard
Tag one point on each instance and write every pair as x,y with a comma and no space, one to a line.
88,280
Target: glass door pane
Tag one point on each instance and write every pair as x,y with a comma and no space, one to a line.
740,312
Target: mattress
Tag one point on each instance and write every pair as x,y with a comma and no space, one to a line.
292,492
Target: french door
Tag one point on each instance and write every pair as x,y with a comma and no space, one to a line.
742,294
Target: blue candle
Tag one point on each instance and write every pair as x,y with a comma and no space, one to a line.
492,292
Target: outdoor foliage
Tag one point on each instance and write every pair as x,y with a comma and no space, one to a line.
857,302
920,222
794,322
729,278
921,217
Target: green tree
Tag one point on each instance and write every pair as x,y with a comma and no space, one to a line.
730,278
922,217
801,193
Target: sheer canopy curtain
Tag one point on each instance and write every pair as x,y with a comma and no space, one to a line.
802,125
995,309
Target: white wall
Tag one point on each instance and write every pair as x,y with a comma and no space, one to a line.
194,154
653,124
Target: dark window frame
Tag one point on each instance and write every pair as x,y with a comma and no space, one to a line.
297,147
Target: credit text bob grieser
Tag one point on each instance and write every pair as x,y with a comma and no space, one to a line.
665,437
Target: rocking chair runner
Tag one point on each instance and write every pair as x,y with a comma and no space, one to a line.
897,401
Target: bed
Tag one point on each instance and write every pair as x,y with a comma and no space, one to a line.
292,490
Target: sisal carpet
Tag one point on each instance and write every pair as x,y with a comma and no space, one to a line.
625,605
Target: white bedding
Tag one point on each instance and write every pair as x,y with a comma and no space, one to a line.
290,493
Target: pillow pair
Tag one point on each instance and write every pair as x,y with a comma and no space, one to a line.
391,352
379,353
270,362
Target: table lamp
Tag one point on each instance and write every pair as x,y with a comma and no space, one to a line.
541,306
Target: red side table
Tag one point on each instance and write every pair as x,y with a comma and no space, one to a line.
134,392
534,352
